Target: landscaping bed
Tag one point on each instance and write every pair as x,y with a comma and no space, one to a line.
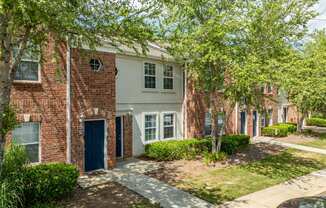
252,169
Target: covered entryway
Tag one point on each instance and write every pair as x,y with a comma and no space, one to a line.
119,136
94,144
243,125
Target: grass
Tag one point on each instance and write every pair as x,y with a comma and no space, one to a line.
220,185
318,143
145,204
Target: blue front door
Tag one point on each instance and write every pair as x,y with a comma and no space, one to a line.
254,123
243,122
118,135
94,145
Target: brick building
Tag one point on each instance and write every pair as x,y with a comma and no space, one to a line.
92,108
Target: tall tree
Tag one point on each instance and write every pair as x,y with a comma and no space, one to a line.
304,77
244,41
87,22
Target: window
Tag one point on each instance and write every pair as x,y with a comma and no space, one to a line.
150,75
168,125
27,134
270,117
28,69
208,123
285,114
150,127
168,77
95,64
220,120
269,88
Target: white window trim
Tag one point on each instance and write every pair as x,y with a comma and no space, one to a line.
38,71
174,125
173,75
204,130
157,127
39,143
144,75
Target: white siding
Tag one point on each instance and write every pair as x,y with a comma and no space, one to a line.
133,98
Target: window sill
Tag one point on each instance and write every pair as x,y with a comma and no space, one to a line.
160,140
150,90
168,91
27,82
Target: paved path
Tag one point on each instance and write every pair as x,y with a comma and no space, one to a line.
272,140
309,185
152,189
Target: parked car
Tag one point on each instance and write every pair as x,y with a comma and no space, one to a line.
305,202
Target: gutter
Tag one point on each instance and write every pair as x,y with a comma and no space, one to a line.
68,103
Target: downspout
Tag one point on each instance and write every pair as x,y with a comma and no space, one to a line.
68,105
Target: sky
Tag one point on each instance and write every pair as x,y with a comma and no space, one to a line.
319,22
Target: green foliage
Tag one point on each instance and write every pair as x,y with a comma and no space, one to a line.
45,205
12,172
231,143
177,149
209,157
316,122
279,130
190,148
8,119
46,182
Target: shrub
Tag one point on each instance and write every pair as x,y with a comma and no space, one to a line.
209,157
316,122
231,143
12,173
291,127
190,148
177,149
279,130
47,182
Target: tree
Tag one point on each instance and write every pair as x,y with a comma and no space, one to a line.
245,41
305,77
25,23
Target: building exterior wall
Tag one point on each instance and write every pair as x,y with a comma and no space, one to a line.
45,102
127,135
134,99
93,97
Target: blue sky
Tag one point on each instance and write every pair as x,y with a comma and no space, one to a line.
320,21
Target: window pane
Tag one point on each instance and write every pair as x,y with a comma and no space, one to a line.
32,152
168,119
27,70
149,69
150,121
168,83
168,132
150,134
26,133
150,82
208,123
168,71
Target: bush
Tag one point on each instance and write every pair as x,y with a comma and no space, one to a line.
231,143
279,130
321,122
177,149
47,182
190,148
209,157
12,173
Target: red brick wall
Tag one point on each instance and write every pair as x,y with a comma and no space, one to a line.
127,136
45,102
93,97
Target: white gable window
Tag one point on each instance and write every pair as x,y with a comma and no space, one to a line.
168,125
168,77
96,65
27,134
29,67
150,75
150,127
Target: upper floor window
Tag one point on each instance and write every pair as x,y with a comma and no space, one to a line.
168,125
168,77
96,64
151,127
150,75
29,67
27,134
269,88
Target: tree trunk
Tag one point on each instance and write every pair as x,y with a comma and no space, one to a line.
214,124
5,87
300,124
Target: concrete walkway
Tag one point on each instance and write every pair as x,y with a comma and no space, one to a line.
271,140
309,185
152,189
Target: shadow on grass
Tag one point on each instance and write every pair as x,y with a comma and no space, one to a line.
284,166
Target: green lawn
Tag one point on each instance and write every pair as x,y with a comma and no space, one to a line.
220,185
321,143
